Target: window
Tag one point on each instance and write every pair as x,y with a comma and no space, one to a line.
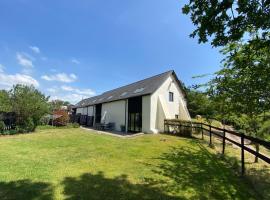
171,96
176,116
124,93
139,90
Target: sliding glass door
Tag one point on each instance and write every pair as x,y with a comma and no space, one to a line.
135,114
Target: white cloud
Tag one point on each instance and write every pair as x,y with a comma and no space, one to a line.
8,80
52,90
61,77
35,49
2,67
71,94
72,98
24,60
87,92
74,60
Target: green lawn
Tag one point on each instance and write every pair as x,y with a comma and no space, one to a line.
77,164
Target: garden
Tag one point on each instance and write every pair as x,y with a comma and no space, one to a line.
72,163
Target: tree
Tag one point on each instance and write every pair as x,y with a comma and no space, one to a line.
5,104
243,27
29,104
58,104
198,103
244,84
228,21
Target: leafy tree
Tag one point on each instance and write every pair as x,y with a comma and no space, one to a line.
29,104
5,104
58,104
228,21
243,83
199,104
243,27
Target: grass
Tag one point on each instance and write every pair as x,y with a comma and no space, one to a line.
258,174
77,164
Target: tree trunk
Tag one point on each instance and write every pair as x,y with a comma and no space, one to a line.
257,150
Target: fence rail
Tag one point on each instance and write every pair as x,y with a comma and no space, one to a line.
177,127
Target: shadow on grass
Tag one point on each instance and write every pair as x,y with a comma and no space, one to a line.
198,174
25,189
258,174
98,187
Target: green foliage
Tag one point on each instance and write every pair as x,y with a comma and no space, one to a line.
45,127
58,104
26,126
199,104
69,125
242,87
5,104
75,125
226,21
264,131
44,120
2,126
29,105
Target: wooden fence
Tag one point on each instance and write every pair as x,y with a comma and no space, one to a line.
177,126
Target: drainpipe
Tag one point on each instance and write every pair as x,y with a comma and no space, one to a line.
126,110
94,114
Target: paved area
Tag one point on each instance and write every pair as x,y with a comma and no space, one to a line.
113,133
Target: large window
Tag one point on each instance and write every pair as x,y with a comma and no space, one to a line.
171,96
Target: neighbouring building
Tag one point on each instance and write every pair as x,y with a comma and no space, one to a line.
138,107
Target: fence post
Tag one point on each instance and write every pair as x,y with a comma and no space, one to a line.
210,133
242,155
223,141
164,126
202,131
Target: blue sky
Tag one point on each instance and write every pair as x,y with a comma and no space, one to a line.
75,49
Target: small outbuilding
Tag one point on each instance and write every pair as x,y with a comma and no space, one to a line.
138,107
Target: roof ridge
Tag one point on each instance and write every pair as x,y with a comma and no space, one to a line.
153,82
169,71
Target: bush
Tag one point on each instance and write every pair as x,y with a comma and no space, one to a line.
2,126
73,125
13,132
27,126
265,129
45,127
45,120
62,119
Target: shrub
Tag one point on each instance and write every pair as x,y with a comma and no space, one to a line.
62,118
45,120
45,127
73,125
265,129
29,105
27,126
13,132
2,126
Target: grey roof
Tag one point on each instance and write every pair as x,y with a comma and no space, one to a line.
140,88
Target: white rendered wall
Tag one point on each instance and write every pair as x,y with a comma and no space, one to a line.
146,110
114,112
90,111
79,110
162,108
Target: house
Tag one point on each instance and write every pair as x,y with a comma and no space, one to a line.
138,107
